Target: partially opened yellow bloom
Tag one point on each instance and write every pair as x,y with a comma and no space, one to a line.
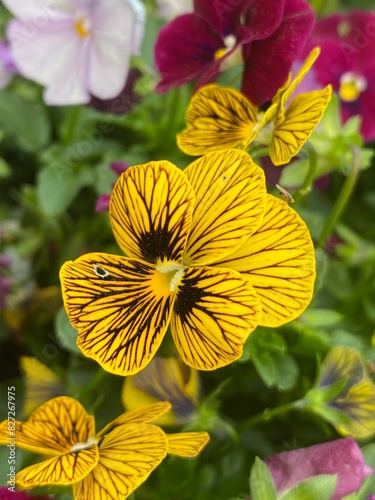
356,399
109,464
164,379
220,118
41,383
208,252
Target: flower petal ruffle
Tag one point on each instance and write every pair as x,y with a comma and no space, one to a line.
120,307
279,262
151,209
230,198
214,313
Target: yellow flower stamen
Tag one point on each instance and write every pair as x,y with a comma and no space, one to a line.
82,28
229,42
173,274
351,86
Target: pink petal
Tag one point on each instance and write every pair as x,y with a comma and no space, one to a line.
35,10
52,55
342,457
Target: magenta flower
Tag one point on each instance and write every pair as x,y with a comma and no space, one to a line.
347,61
271,34
342,457
7,494
102,203
75,48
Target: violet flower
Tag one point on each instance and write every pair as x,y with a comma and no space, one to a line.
342,457
75,48
347,61
197,46
102,203
7,66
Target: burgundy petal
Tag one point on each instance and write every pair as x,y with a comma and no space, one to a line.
342,457
268,62
184,49
223,15
264,17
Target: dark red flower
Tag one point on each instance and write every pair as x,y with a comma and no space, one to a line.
271,34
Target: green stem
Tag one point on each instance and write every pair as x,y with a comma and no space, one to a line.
267,414
93,384
343,198
72,125
310,174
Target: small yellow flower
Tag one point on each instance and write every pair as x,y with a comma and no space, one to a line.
355,398
208,252
164,379
220,118
109,464
41,383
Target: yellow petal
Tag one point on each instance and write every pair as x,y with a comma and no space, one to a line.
359,405
41,383
279,261
187,444
342,362
127,457
163,380
151,207
120,308
305,68
139,416
230,198
215,311
292,131
54,428
65,469
217,118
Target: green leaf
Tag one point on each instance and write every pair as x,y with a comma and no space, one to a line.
287,373
5,169
261,483
66,334
265,347
24,120
321,317
315,488
59,184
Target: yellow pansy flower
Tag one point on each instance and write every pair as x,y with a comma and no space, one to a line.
109,464
354,400
164,379
220,118
41,383
208,252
